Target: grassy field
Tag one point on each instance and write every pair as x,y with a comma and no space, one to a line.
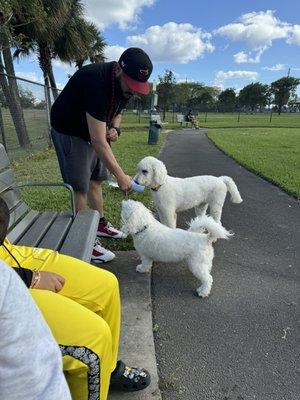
273,153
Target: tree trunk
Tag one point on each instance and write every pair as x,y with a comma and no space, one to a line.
11,92
53,83
46,66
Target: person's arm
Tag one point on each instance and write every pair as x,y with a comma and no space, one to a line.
97,130
114,131
42,280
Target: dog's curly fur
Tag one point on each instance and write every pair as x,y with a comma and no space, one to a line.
171,195
156,242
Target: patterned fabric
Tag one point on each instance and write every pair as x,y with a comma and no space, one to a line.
92,361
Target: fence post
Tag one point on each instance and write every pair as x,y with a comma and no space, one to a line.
2,130
48,106
271,116
239,116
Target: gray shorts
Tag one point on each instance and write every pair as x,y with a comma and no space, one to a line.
78,161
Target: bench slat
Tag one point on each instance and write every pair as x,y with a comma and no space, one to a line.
57,232
6,179
38,230
18,231
17,213
4,161
81,237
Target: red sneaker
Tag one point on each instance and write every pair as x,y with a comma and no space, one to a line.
100,254
105,229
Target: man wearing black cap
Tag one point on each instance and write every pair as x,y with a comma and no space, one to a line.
85,117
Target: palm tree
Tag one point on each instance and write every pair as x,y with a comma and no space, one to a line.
38,38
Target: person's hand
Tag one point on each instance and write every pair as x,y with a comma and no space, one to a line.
124,183
50,281
112,135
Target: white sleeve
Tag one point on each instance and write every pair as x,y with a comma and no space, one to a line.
30,359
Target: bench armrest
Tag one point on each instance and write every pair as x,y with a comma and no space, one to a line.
50,184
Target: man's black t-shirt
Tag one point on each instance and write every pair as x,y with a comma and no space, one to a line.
88,90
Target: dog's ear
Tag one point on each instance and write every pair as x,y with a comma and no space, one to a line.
131,216
159,172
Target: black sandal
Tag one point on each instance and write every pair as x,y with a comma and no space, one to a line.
129,379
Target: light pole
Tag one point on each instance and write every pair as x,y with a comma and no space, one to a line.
154,97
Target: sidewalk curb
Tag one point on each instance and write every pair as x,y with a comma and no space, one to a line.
136,342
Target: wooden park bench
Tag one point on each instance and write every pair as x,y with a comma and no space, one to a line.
68,232
181,119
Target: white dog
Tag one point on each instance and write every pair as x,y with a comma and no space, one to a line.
171,195
156,242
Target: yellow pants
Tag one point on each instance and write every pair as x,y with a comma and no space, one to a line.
84,317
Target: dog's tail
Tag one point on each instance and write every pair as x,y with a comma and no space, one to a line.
232,189
214,229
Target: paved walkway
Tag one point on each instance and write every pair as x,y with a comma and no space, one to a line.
240,343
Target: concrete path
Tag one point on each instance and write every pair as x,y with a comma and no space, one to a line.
241,342
136,343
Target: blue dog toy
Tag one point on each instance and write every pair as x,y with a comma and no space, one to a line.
136,186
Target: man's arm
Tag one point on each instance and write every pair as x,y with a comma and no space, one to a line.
114,132
97,131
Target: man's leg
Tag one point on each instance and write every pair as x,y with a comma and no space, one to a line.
80,201
95,197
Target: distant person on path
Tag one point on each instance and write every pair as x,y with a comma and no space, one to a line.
190,117
81,305
85,117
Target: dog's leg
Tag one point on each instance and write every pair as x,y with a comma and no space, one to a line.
201,209
215,210
168,218
202,271
145,266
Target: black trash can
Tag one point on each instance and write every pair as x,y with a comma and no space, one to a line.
154,130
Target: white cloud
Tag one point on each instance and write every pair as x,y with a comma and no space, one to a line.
124,13
243,57
112,53
68,68
294,37
222,76
277,67
173,42
258,30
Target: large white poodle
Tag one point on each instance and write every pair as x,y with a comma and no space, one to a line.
171,195
156,242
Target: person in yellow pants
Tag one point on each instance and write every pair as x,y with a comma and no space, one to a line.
84,317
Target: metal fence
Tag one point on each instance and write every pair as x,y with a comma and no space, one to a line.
24,114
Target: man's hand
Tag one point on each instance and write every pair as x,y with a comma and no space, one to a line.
112,135
50,281
124,182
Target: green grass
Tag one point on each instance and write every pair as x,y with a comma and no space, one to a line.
226,120
273,153
42,166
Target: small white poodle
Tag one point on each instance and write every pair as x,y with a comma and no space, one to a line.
171,195
156,242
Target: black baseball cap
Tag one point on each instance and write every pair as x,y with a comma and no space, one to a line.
137,67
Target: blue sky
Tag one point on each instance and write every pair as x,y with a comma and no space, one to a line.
217,42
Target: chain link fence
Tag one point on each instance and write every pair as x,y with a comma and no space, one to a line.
24,114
